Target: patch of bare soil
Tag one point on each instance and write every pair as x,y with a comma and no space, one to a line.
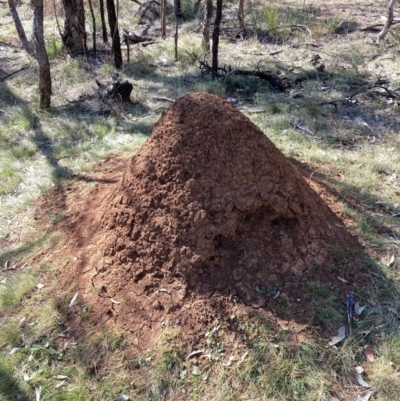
208,216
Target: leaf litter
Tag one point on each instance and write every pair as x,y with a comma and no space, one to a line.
362,382
339,337
358,308
73,300
365,396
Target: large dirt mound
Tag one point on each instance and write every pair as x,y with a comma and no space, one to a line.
209,213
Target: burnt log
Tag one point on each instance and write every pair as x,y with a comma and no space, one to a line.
130,37
118,90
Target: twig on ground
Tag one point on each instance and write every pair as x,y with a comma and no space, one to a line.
296,26
11,74
273,79
164,99
298,125
377,27
275,53
133,38
379,83
389,21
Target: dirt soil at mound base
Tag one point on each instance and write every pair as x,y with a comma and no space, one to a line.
208,216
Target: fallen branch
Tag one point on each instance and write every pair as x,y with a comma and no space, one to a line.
273,79
301,127
130,37
377,27
388,23
164,99
297,26
148,43
11,74
133,38
379,83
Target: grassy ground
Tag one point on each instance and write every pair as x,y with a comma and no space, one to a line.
333,125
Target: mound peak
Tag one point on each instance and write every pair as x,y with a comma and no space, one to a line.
209,214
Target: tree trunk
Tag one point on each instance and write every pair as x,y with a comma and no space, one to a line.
389,21
116,42
196,7
242,26
74,36
163,19
43,60
103,22
206,25
94,26
215,38
176,6
20,29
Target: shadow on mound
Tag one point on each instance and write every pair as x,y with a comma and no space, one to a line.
208,215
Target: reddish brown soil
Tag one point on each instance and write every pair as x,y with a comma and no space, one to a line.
208,215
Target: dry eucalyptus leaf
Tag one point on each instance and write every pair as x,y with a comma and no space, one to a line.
195,353
122,397
358,309
340,336
61,377
369,353
114,301
73,300
362,382
392,261
60,384
359,369
14,350
243,357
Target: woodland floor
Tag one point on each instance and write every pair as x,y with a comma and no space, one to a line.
339,127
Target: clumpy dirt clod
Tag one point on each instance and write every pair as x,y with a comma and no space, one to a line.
207,215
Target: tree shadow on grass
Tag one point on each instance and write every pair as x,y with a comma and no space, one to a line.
365,205
17,253
10,388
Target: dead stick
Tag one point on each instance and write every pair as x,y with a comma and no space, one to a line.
164,99
13,73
